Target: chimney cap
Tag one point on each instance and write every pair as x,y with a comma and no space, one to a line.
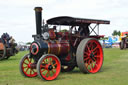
38,9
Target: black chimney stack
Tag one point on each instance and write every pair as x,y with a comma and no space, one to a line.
38,15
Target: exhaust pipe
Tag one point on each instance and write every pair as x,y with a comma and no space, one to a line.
38,16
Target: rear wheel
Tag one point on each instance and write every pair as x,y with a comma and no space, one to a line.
9,53
48,67
26,69
122,45
89,56
2,51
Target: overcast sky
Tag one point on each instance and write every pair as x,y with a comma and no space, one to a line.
17,17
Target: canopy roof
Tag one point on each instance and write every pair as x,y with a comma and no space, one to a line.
66,20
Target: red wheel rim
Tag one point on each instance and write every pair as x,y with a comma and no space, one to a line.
50,68
27,70
37,49
93,56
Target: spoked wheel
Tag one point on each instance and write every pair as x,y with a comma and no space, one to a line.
122,45
2,51
89,56
27,67
48,67
9,53
67,68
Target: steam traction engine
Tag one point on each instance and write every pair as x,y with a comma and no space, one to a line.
7,49
53,51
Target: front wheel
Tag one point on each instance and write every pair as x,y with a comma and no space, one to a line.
48,67
89,56
26,66
2,51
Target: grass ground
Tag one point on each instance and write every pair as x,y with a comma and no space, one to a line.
114,72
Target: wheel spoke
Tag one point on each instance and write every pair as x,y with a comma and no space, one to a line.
86,58
90,67
25,67
94,52
96,65
88,48
97,56
94,49
27,70
43,61
54,64
52,71
28,59
93,59
89,62
30,72
47,73
91,45
43,70
33,71
92,64
50,61
46,60
25,63
86,53
54,68
42,66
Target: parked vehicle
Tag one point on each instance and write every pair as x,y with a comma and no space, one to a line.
53,51
7,46
124,40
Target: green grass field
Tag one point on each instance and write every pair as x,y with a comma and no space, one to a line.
114,72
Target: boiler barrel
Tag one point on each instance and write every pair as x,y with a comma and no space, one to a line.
50,47
58,48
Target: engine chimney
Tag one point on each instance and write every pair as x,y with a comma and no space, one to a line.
38,16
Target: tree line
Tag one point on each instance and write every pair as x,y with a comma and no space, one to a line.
115,33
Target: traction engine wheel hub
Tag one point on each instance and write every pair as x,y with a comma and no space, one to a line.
29,65
50,67
92,56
